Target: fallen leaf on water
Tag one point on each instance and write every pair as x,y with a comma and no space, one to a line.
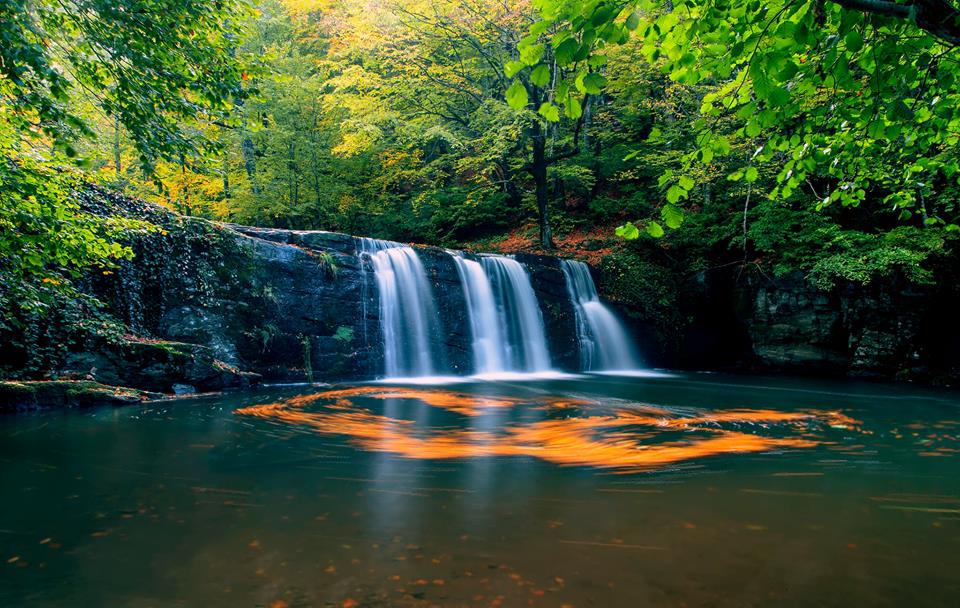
350,603
13,559
279,604
330,569
254,544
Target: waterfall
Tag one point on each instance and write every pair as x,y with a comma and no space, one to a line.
604,343
524,345
408,316
489,348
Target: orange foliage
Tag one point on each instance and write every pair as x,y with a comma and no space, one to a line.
589,245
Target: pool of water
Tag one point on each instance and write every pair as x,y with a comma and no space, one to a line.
686,490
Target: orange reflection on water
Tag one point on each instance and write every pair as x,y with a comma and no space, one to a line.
462,403
624,440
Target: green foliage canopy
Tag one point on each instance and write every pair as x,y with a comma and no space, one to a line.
152,66
859,97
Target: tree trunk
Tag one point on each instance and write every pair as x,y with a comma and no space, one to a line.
116,147
226,181
248,152
538,169
294,175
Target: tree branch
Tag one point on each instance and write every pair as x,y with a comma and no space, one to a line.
939,18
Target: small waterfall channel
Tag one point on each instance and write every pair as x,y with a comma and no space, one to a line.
408,315
506,325
505,318
605,344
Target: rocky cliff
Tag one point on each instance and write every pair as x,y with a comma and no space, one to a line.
890,330
215,306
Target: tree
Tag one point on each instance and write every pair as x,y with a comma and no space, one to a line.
150,68
848,99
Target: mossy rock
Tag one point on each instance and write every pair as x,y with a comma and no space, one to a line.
53,394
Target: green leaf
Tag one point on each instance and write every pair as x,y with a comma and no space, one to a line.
655,230
517,95
540,75
632,21
572,108
593,83
531,55
751,174
854,41
672,216
628,231
675,193
549,111
565,51
512,68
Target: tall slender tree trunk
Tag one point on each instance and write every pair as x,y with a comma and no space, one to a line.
248,151
116,147
226,180
538,169
294,175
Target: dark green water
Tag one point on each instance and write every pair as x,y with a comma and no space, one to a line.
686,491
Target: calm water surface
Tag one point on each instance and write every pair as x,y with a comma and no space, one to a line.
691,490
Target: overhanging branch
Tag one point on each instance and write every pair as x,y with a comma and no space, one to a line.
939,18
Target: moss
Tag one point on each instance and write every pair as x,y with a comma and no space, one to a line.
647,290
343,335
44,394
171,348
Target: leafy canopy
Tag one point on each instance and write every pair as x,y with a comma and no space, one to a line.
847,100
151,66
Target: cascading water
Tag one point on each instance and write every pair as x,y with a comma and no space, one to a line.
489,348
408,316
604,342
524,345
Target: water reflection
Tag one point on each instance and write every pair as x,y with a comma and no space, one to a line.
568,431
326,499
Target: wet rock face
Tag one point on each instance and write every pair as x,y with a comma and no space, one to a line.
286,305
559,316
852,330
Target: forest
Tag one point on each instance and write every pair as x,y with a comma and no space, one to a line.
651,137
479,303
